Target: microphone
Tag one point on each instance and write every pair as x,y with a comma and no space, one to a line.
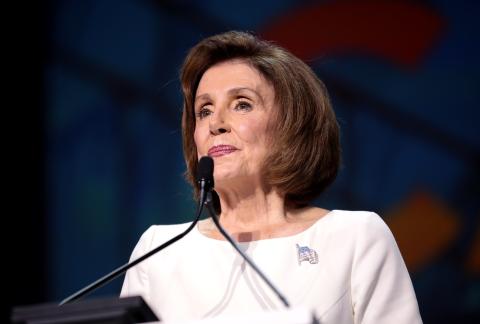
205,182
205,175
213,214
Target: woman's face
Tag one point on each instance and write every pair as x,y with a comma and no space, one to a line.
233,108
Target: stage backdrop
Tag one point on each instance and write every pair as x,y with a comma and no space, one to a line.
404,80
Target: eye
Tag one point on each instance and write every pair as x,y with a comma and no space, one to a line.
203,112
243,106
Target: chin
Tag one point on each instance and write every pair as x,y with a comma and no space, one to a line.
226,176
223,175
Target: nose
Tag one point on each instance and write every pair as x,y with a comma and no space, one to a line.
219,123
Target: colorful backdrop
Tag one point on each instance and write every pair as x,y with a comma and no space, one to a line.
101,123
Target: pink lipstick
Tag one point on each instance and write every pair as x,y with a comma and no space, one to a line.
220,150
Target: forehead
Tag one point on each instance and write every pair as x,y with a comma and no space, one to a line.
230,74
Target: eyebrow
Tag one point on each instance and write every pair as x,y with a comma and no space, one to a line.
235,91
232,92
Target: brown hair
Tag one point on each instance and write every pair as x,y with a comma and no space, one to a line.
305,155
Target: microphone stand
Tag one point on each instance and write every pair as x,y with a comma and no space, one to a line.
213,214
117,272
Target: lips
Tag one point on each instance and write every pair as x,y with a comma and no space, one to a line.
220,150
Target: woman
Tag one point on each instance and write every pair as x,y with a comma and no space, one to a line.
266,120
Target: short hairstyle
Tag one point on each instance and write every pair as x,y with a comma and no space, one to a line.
305,154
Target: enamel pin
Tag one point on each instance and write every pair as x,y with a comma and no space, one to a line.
306,254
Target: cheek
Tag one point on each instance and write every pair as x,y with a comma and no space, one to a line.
197,138
252,132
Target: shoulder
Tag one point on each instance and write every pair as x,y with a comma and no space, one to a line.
354,220
361,226
157,234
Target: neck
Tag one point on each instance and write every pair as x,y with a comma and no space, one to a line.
259,215
249,211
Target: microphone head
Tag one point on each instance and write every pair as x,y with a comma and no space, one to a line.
205,171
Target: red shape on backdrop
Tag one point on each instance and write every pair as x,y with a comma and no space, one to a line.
400,31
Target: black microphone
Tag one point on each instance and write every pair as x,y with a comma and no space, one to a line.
205,175
213,214
205,182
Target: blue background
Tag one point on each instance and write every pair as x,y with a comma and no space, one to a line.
98,131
